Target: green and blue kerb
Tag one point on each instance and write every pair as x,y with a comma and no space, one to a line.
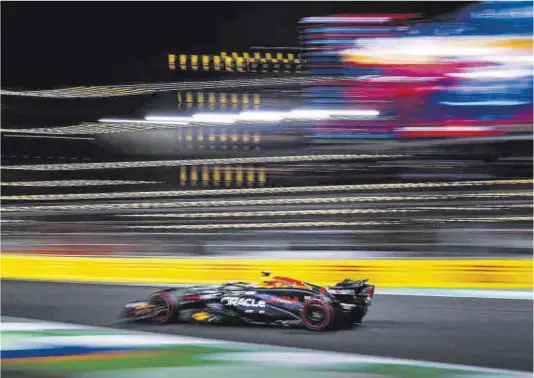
91,352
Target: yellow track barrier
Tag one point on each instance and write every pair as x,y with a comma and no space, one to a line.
458,274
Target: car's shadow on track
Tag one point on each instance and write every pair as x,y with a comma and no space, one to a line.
176,327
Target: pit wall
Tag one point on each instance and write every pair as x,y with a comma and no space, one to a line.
454,274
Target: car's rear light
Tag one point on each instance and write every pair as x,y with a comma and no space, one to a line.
369,291
192,298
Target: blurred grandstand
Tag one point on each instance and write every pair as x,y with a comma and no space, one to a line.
343,144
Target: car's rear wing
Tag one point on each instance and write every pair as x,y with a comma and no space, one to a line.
351,283
351,287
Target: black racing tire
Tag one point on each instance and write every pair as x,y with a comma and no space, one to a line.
358,315
317,314
165,308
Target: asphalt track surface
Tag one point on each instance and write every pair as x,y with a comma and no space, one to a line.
483,332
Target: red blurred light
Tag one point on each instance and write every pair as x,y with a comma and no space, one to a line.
448,134
368,292
192,298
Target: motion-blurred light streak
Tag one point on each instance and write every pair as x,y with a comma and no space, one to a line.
262,202
266,225
326,224
146,89
280,190
24,135
281,213
268,116
174,163
65,183
117,126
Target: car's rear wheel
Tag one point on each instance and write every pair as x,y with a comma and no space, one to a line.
317,315
163,311
358,315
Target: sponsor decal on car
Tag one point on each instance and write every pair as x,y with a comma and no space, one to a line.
209,296
341,291
200,316
144,306
284,299
243,302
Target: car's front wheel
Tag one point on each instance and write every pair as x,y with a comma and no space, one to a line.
164,308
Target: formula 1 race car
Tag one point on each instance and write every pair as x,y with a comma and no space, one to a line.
279,301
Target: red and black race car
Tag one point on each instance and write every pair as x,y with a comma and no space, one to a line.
277,301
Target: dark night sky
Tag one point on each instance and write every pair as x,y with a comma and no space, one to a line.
52,44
